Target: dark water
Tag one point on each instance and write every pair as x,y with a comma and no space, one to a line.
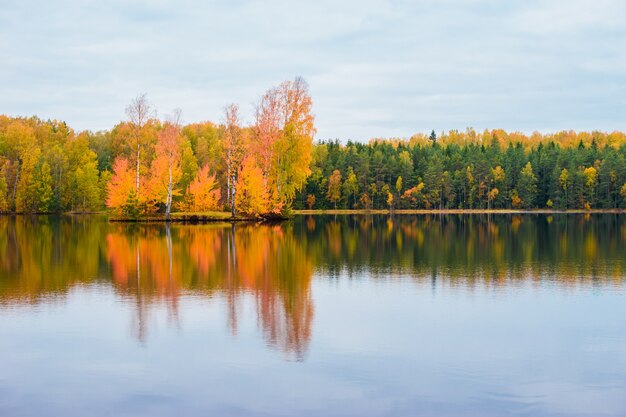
322,316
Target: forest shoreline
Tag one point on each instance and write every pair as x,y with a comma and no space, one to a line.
457,211
200,218
225,217
187,218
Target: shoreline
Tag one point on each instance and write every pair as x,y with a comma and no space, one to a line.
199,218
225,217
187,220
457,211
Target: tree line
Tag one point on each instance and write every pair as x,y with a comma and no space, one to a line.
146,165
469,170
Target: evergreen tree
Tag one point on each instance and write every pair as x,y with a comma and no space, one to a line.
527,186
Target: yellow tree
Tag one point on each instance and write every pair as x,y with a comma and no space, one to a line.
83,178
334,187
295,146
351,186
4,205
284,130
399,185
591,180
563,182
41,188
206,140
390,200
492,195
87,193
234,150
20,138
252,195
498,177
26,193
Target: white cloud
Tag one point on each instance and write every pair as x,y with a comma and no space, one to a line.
375,68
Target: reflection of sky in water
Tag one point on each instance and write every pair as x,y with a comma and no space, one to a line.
385,335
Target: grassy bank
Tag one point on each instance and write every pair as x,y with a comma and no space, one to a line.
458,211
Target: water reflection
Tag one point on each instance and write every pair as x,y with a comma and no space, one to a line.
472,250
155,265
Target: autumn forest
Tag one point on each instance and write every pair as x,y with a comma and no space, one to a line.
146,165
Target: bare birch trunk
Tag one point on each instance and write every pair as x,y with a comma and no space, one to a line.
137,175
168,201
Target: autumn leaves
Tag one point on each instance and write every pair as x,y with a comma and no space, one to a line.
263,165
279,149
45,168
144,165
129,192
470,171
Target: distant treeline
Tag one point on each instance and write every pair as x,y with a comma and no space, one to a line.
469,170
146,165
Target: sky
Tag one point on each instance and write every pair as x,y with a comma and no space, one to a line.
374,68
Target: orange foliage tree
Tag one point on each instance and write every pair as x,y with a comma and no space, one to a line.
121,187
252,196
203,194
166,168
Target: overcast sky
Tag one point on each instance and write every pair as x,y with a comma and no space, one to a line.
375,68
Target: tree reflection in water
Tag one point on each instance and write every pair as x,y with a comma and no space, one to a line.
233,261
42,258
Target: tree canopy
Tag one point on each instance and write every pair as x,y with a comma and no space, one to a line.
145,165
469,170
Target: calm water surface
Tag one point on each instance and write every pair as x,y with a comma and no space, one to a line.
322,316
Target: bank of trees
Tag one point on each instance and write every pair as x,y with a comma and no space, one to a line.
470,170
145,165
45,167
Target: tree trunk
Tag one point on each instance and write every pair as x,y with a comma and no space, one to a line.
137,175
17,178
228,175
232,199
168,201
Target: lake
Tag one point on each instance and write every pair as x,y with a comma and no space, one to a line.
462,315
